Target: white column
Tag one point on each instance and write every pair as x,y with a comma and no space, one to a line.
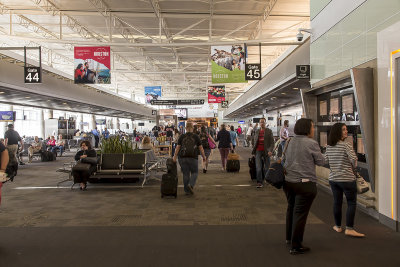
42,125
93,122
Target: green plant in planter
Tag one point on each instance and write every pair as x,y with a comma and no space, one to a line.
117,145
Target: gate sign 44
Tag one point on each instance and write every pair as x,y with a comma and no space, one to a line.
33,75
253,72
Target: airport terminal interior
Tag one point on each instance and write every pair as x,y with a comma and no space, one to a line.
152,132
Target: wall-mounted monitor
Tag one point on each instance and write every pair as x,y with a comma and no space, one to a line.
256,120
347,104
323,108
323,139
7,116
181,113
334,106
141,124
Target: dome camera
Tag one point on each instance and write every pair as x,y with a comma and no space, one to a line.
299,36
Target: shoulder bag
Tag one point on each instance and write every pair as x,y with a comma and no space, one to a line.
210,143
80,166
362,185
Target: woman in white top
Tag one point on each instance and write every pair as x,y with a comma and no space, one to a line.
342,161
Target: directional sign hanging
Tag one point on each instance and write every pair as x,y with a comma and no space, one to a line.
253,72
33,75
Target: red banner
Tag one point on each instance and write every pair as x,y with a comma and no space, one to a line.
92,65
100,54
216,94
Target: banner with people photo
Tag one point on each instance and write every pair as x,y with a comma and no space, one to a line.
92,65
152,93
228,64
216,94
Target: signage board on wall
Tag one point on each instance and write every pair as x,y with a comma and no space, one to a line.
303,72
7,116
216,93
152,93
224,104
92,64
33,74
228,64
253,72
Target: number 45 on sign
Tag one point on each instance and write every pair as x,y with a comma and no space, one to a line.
253,72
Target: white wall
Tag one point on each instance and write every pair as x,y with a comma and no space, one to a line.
388,41
343,40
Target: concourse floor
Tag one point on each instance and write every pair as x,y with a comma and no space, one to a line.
227,222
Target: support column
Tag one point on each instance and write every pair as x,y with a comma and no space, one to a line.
50,114
92,122
80,122
117,124
42,124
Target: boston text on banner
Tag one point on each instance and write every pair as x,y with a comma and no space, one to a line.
92,65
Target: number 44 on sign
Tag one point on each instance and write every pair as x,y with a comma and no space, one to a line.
33,75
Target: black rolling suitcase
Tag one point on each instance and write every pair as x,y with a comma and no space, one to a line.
252,168
233,163
169,181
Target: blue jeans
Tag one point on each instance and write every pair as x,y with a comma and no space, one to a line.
54,149
262,165
190,170
350,191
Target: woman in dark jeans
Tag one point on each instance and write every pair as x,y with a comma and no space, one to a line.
225,143
302,154
85,152
342,161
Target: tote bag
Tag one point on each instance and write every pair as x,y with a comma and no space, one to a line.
210,143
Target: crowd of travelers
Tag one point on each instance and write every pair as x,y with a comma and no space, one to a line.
300,154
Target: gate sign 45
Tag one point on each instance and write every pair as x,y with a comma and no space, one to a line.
33,75
253,72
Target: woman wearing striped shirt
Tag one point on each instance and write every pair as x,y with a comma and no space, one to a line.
342,161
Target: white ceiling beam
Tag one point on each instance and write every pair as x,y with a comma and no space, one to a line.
237,29
267,11
264,42
186,29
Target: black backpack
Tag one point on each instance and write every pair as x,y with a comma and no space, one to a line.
189,147
204,140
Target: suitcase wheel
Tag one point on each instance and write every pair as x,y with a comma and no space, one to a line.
162,195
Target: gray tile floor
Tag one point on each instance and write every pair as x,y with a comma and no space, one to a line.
228,222
220,198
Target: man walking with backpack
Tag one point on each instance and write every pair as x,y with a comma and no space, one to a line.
189,145
263,147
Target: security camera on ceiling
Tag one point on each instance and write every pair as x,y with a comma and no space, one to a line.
300,35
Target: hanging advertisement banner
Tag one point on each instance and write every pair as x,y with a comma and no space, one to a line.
228,64
92,65
152,93
216,94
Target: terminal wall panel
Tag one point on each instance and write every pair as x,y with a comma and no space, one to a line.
345,36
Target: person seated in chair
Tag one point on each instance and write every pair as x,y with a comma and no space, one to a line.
35,147
60,144
146,144
86,151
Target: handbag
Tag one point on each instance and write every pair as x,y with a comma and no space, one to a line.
90,160
210,143
275,175
80,166
362,185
